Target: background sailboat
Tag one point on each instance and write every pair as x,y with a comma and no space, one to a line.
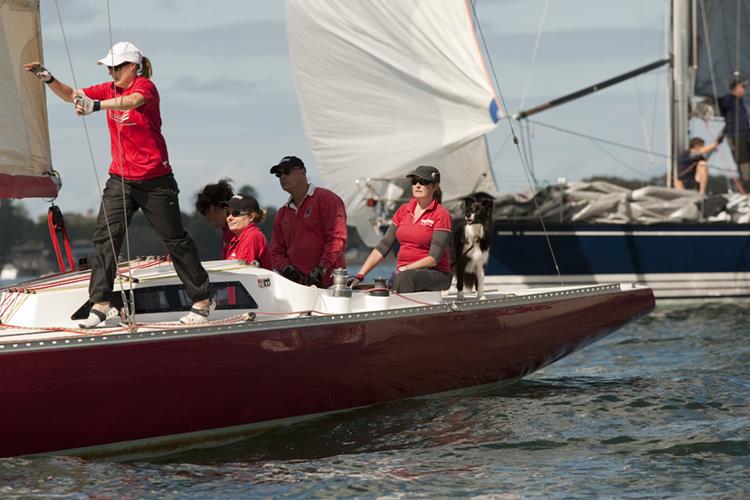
356,85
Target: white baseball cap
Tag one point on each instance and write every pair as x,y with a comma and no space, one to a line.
122,52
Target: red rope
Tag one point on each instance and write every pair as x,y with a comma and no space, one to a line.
56,224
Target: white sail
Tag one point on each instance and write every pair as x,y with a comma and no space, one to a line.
24,137
385,86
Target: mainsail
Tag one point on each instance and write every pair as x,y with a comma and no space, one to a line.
386,86
25,165
722,44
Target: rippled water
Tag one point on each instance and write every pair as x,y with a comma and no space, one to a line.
659,409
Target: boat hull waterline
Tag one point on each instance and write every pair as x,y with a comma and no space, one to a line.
155,391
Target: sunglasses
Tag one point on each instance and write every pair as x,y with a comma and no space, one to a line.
236,213
423,182
119,66
284,171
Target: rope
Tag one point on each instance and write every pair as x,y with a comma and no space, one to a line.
515,141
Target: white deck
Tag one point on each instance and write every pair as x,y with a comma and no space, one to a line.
40,310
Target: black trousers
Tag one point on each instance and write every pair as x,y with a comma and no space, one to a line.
158,200
421,280
740,147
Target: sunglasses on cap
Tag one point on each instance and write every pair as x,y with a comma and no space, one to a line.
236,213
423,182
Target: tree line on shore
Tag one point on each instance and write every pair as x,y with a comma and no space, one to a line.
19,228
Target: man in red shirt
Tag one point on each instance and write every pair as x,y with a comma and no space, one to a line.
309,232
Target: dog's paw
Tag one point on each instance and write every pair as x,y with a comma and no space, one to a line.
460,295
483,297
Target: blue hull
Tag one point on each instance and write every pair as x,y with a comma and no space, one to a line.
677,260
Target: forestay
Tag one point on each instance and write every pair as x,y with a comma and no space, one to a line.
24,141
386,86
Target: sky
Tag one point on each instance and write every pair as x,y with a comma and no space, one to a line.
229,107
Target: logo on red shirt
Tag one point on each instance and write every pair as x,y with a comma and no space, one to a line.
308,211
427,222
119,116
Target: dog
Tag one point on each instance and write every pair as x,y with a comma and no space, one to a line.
471,243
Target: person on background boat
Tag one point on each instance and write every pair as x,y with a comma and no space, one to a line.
737,128
422,228
140,177
693,164
211,204
248,242
309,232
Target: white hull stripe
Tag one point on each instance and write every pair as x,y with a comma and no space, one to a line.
625,233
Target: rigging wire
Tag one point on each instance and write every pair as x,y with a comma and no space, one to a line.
88,143
501,148
534,52
515,141
130,305
611,143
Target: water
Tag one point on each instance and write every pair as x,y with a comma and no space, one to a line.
659,409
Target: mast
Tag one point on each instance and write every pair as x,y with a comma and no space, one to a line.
679,87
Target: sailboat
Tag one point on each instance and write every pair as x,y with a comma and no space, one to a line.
275,352
657,236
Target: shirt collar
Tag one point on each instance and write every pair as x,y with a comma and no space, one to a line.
310,191
413,205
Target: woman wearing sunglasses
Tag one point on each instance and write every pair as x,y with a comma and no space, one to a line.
422,228
249,243
140,177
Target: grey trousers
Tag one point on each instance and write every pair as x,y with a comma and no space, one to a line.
158,200
421,280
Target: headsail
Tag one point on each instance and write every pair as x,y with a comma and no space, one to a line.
385,86
723,44
24,137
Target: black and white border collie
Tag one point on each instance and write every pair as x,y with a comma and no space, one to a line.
471,243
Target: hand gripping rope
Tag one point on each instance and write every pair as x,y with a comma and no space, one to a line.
56,224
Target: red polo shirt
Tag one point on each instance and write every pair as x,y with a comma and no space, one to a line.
250,245
226,237
144,151
415,237
311,235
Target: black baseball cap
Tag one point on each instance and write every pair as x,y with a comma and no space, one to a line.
288,162
425,172
243,202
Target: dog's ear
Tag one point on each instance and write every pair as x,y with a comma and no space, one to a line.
488,204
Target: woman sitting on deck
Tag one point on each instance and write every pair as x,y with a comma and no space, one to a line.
422,228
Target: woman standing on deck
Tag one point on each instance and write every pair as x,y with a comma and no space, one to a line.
140,177
422,228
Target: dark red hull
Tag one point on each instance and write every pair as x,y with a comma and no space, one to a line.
156,385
